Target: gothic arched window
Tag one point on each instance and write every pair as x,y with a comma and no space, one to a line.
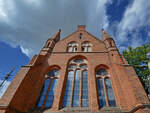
86,47
76,92
105,92
72,47
49,88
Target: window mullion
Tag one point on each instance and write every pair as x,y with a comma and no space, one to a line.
72,48
81,88
106,97
72,87
51,80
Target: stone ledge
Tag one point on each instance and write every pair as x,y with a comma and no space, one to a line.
82,110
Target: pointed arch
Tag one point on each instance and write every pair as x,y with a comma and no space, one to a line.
102,66
49,88
76,91
52,67
77,57
105,91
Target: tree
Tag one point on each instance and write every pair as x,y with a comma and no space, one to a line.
139,58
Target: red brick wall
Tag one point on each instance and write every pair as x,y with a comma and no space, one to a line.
24,91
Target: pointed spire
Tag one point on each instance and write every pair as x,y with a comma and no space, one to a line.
105,35
56,36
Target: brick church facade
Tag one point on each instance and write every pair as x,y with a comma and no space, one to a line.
79,73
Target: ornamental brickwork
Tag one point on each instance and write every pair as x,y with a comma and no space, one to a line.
79,73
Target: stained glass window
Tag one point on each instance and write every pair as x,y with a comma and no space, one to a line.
79,94
76,92
85,99
43,94
73,66
83,66
101,93
111,98
49,89
78,60
53,73
51,93
102,72
68,90
107,91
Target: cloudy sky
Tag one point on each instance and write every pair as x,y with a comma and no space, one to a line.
26,24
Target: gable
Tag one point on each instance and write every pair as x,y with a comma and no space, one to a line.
97,45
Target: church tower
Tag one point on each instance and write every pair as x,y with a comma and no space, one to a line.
79,73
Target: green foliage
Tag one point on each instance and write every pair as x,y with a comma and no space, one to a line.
139,58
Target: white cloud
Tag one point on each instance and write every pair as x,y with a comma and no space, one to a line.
29,23
97,17
26,51
136,17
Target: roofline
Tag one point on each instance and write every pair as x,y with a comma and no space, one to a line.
86,32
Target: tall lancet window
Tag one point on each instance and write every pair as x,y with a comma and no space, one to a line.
49,89
76,92
105,92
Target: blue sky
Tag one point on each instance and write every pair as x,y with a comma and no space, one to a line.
25,25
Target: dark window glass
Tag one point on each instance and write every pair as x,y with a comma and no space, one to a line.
72,66
102,72
101,93
83,66
110,44
83,49
76,89
68,90
85,100
80,36
111,97
51,93
76,92
49,89
78,60
53,72
43,94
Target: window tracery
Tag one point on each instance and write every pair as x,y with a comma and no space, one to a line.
76,92
49,89
105,91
